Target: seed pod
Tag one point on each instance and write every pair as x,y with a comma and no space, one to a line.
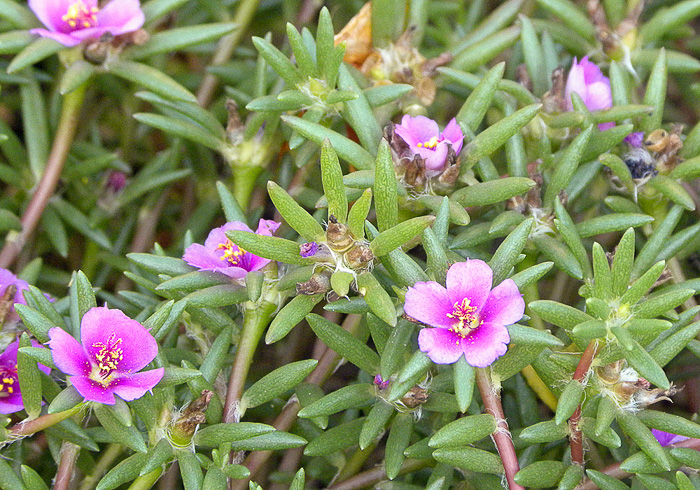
359,257
338,235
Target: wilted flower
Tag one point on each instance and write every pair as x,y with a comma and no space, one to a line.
72,21
219,254
424,138
114,347
470,318
7,278
666,438
586,79
10,395
308,249
635,140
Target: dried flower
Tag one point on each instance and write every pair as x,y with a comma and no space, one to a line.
71,22
8,279
219,254
114,347
308,249
666,438
424,138
470,318
586,79
10,395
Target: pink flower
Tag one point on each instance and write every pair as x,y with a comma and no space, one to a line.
72,21
666,438
7,278
424,138
219,254
10,395
588,81
635,140
470,318
114,347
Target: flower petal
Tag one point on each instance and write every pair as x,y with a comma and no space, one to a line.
598,96
101,326
434,159
50,12
64,39
121,16
575,82
505,305
442,346
485,344
68,355
267,227
453,134
414,130
92,390
472,280
12,403
429,303
136,385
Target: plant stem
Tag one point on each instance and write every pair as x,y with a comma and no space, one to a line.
575,437
255,318
227,45
375,475
145,482
67,126
29,427
504,443
107,457
69,455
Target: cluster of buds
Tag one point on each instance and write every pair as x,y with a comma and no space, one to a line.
629,391
340,258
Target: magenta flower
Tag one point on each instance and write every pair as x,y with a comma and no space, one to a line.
71,22
114,347
219,254
7,278
470,318
635,140
423,137
666,438
10,394
588,81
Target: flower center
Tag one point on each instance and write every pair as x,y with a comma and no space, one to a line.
232,253
466,319
109,356
80,16
431,143
8,379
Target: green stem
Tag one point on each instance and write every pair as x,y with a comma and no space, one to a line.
227,45
70,116
256,318
530,292
146,481
29,427
244,179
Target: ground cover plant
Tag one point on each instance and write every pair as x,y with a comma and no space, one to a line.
296,244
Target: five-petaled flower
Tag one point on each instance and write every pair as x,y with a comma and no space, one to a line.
114,347
424,138
470,317
219,254
10,394
586,79
71,22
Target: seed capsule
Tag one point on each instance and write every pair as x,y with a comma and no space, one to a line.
338,235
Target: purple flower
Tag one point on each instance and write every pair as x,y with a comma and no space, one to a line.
219,254
635,140
666,438
7,278
308,249
470,318
381,384
114,347
423,137
588,81
72,21
10,395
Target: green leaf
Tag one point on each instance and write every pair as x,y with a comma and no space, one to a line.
638,432
534,56
667,19
559,314
182,129
396,236
531,336
32,479
673,190
607,437
655,94
217,434
474,108
29,379
375,423
333,187
344,344
605,482
293,312
497,134
277,382
385,189
335,439
80,222
558,253
612,222
355,395
664,352
662,303
172,40
345,148
376,297
623,260
296,216
397,442
38,50
531,274
641,463
541,474
38,324
190,469
571,16
508,253
358,214
647,256
125,471
464,431
129,435
566,166
641,360
395,348
569,401
544,432
269,247
483,51
278,61
274,441
386,94
214,296
655,419
572,238
471,459
492,192
358,113
151,78
77,74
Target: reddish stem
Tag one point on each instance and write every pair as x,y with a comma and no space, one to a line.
504,443
576,438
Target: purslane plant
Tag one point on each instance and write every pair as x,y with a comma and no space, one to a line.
508,302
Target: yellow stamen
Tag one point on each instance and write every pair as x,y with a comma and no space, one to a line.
78,12
466,319
8,379
232,253
431,143
109,356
